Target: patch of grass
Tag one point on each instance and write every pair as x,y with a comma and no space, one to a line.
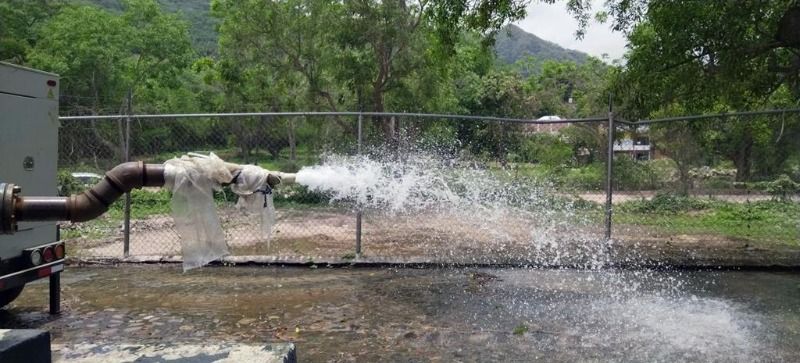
92,230
349,256
578,178
763,222
144,203
298,195
520,329
589,177
668,204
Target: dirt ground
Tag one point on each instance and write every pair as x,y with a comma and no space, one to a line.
328,235
622,197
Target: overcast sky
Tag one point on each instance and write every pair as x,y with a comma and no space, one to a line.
553,23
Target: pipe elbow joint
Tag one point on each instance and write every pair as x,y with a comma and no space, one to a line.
93,202
127,176
136,174
85,207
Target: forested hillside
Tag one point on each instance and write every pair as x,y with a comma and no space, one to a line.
513,44
196,12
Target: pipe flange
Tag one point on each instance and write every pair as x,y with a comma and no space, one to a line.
8,198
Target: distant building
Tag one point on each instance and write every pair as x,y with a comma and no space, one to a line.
553,128
637,146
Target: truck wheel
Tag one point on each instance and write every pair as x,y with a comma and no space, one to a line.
8,295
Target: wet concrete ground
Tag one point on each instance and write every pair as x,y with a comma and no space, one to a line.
340,315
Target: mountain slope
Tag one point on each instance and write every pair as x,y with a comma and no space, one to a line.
196,12
513,43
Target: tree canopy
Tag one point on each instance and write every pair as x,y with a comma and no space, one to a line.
684,57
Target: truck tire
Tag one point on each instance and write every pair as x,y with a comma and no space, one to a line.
8,295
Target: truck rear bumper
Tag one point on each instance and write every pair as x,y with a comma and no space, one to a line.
51,270
34,273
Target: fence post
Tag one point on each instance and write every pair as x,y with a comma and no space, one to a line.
358,213
126,231
609,173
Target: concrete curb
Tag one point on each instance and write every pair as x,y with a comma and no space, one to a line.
24,345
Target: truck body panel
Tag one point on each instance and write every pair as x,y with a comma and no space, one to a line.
28,147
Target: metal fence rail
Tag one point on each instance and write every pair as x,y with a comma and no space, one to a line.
332,113
309,226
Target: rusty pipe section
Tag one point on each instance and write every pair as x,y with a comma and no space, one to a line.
93,202
286,178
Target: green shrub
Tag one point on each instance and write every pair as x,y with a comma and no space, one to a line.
226,195
534,171
664,169
520,329
782,188
630,174
298,194
288,166
590,177
665,203
67,184
545,149
773,212
792,167
718,183
440,136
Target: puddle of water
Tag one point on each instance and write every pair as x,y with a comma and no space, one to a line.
433,314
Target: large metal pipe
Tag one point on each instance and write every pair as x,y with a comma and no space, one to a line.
283,178
93,202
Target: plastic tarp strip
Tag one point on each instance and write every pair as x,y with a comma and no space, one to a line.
255,196
192,181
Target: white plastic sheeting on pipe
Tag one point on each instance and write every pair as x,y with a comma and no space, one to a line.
192,181
255,196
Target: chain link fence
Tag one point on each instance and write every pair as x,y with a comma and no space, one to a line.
520,192
90,147
715,190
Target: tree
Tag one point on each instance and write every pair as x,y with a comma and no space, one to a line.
727,56
19,21
486,17
570,90
362,54
281,56
679,142
495,94
106,60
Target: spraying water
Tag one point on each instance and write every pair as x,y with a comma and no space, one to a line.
464,210
463,206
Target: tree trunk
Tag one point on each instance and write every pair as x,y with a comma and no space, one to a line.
292,140
684,178
384,124
242,138
384,64
95,106
742,160
122,127
601,138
